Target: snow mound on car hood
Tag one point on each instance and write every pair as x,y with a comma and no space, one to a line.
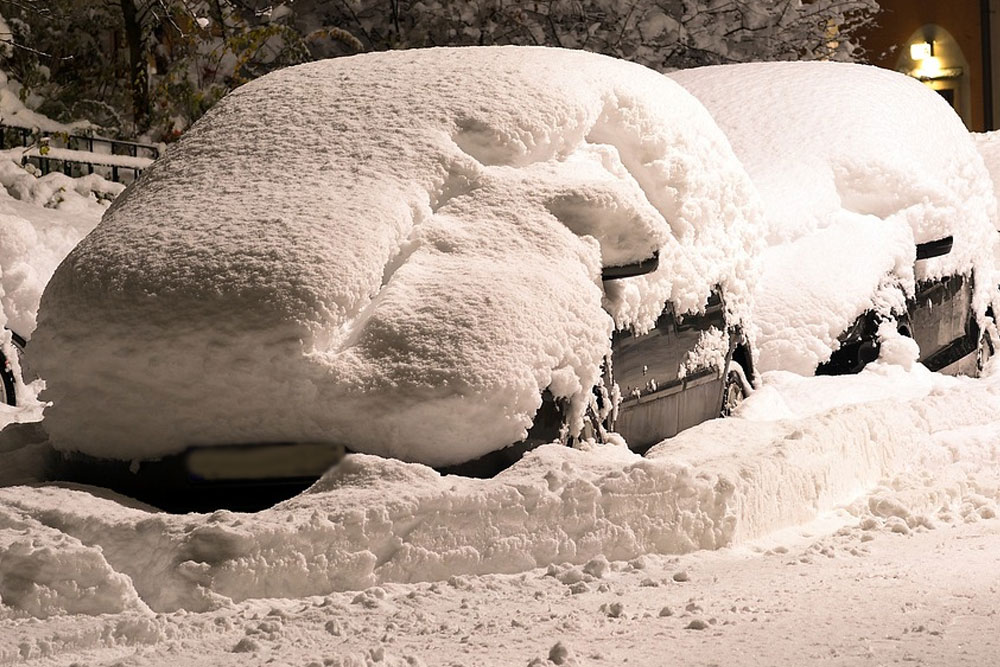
395,251
833,147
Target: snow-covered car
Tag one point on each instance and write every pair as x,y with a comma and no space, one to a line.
879,209
402,254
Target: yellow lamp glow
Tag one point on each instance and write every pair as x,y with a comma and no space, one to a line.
930,68
921,51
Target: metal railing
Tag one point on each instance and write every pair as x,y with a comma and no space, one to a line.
39,143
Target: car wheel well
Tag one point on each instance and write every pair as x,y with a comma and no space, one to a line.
742,356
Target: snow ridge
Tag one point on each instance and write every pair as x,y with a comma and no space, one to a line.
374,521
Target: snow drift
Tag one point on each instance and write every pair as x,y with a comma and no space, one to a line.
397,251
799,447
855,165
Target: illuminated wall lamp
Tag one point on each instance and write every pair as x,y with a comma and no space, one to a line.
929,68
921,51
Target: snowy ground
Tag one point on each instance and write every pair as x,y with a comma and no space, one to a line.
853,598
840,520
833,520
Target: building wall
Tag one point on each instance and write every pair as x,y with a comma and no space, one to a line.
888,44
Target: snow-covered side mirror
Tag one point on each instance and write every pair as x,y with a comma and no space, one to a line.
639,268
935,248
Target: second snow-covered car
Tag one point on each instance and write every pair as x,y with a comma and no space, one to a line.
880,209
418,254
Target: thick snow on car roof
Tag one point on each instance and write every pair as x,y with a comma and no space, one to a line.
395,251
871,160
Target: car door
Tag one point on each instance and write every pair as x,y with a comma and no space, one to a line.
942,323
657,402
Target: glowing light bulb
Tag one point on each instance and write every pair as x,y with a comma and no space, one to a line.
920,51
930,67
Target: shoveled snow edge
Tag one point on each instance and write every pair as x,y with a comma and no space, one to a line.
374,521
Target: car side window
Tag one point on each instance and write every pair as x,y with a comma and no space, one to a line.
940,311
651,362
648,362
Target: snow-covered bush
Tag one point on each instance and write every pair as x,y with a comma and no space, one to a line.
661,35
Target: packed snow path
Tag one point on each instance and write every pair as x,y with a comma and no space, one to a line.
858,597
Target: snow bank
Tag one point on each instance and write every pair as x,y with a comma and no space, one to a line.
41,220
833,147
397,251
801,447
46,572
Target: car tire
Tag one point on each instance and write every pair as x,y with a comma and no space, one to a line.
734,391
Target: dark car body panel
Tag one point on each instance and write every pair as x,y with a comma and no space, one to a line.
940,320
658,403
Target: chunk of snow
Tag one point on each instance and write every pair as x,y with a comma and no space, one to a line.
395,251
44,572
896,348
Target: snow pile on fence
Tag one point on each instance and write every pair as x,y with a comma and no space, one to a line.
398,251
800,447
855,165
